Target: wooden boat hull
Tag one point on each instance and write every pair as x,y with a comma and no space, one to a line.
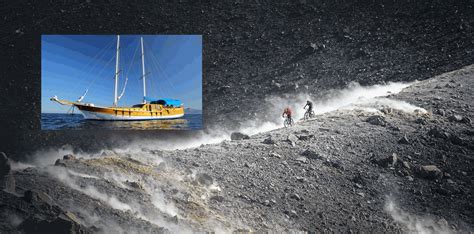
147,112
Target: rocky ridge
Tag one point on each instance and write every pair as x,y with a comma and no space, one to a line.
342,171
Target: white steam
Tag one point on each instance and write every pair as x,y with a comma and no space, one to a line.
45,157
354,96
376,104
11,218
414,223
64,175
205,137
69,178
158,200
18,166
106,224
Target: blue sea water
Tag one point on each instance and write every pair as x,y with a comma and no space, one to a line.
51,121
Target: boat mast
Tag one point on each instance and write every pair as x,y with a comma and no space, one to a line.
117,71
143,72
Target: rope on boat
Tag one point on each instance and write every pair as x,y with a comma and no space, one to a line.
94,80
102,53
156,68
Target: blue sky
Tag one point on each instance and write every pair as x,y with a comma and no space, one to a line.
72,63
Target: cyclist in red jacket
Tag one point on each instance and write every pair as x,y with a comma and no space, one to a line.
287,112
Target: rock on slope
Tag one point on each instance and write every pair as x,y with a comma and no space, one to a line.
397,167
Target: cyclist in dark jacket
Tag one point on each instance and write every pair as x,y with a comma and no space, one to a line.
309,104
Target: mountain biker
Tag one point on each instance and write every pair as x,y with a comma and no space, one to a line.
287,112
309,104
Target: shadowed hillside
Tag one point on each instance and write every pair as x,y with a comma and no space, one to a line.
251,50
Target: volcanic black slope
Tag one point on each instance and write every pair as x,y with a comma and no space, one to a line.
251,50
397,162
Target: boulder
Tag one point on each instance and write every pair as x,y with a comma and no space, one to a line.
249,165
376,120
38,198
403,140
174,219
333,163
304,137
59,162
269,141
275,155
311,154
69,157
5,165
406,165
72,217
217,198
292,138
455,118
448,85
300,179
421,121
439,133
291,213
429,172
7,181
302,159
237,136
204,179
394,128
135,185
296,196
387,110
441,112
389,161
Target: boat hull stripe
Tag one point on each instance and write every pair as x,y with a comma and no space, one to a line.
103,116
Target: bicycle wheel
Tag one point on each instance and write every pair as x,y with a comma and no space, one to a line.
306,116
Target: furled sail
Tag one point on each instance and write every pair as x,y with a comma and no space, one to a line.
164,101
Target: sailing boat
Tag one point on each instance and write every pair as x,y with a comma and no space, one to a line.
149,109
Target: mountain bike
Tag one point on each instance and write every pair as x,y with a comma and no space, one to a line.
308,115
288,122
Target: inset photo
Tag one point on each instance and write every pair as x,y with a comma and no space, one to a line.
125,82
